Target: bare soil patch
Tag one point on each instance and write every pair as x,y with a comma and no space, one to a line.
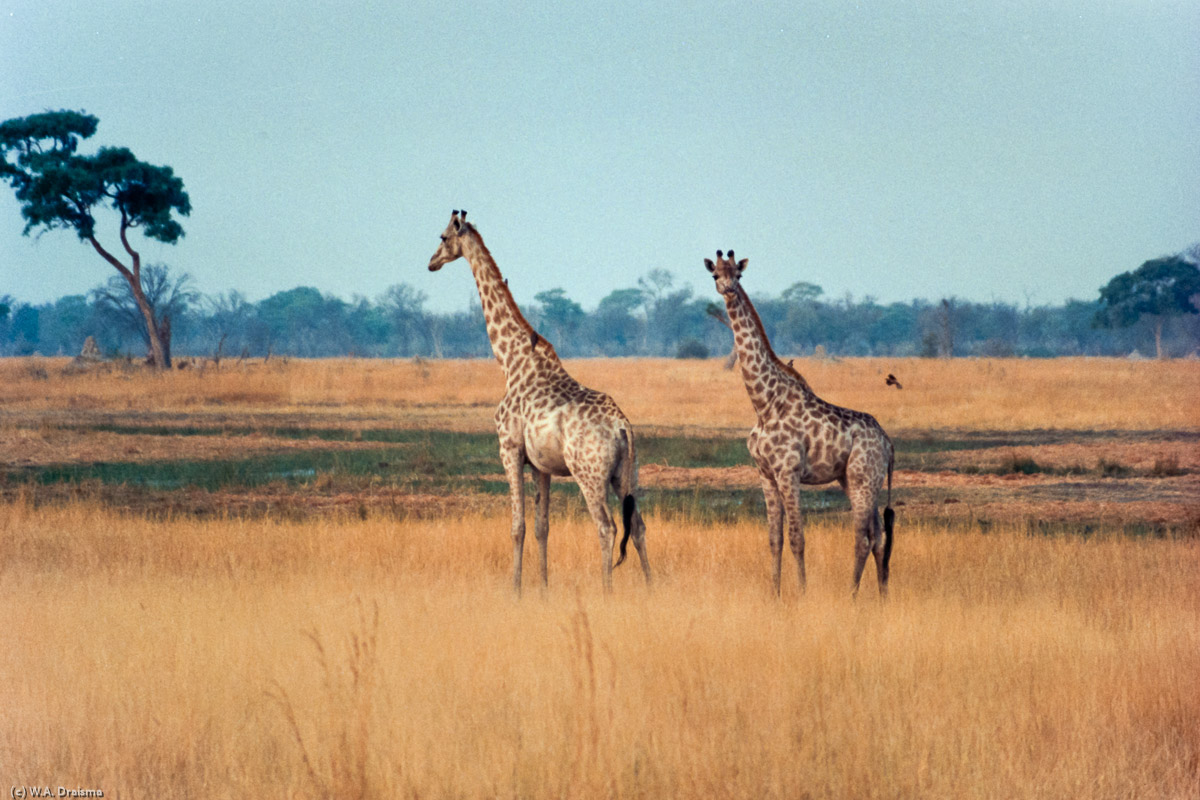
1105,477
1171,501
1139,456
25,447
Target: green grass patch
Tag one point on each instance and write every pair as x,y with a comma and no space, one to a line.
431,459
425,457
295,432
715,505
682,451
1132,530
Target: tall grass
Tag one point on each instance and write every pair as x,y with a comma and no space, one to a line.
969,394
368,659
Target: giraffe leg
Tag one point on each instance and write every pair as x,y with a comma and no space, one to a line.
595,494
789,493
639,541
868,533
514,469
541,520
862,483
637,528
865,533
774,527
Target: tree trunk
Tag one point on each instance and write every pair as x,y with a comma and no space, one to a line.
160,339
946,322
164,334
158,350
435,337
1158,326
159,353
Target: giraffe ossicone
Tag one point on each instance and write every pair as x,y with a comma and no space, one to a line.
547,420
800,439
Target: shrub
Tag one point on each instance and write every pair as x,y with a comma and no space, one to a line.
1166,467
692,348
1020,464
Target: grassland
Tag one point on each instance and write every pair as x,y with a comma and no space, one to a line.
292,580
1081,394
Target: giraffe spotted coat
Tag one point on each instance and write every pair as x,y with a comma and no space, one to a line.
547,419
801,439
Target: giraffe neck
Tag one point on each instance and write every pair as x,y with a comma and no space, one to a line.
514,341
762,370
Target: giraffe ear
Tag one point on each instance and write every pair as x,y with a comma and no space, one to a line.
708,263
742,266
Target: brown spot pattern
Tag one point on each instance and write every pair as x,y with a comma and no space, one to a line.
547,420
801,439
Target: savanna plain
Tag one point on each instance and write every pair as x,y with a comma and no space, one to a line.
292,579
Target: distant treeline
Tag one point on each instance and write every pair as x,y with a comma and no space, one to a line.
654,318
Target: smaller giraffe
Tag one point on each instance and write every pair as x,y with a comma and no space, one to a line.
801,439
547,420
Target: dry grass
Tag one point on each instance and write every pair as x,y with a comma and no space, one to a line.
366,659
280,386
965,394
369,658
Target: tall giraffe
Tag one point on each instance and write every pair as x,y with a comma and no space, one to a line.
801,439
547,420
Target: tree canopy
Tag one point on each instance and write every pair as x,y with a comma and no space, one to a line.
1159,288
60,189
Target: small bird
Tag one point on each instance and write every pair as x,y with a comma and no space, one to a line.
891,381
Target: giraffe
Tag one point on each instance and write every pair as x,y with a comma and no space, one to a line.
547,420
801,439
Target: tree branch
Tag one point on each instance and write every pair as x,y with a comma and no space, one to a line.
111,259
716,313
137,259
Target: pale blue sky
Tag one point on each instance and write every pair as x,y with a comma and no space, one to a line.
1017,151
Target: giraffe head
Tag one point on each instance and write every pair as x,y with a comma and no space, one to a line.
726,272
451,247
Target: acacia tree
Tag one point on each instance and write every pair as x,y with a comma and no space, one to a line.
1158,289
58,188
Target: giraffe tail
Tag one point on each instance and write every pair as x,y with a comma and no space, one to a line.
889,518
628,501
628,508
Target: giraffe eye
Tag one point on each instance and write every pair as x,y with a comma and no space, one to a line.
443,238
